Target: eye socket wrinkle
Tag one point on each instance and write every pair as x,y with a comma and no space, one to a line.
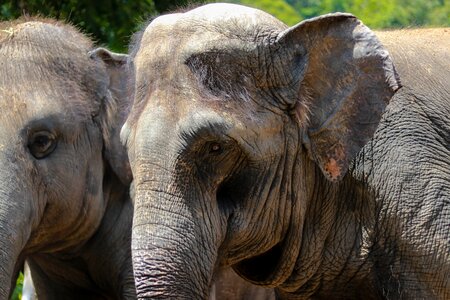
209,132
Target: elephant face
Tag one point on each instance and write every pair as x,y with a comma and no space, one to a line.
230,110
55,134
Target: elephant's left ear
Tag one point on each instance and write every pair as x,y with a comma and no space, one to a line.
344,79
113,111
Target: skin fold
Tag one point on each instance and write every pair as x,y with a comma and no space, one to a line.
64,203
299,156
227,285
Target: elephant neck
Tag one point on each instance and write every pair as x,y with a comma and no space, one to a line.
367,234
335,240
102,266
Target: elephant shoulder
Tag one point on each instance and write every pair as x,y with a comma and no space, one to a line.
422,59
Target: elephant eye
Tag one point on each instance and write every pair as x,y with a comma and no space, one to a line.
215,148
41,144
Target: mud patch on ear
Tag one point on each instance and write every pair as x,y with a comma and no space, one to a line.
332,170
335,165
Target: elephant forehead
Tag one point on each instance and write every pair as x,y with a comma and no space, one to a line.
37,87
224,11
19,109
220,16
208,28
32,91
209,53
47,65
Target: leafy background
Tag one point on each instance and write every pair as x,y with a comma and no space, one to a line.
111,22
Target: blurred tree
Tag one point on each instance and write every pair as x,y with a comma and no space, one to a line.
278,8
440,14
109,22
374,13
381,13
307,8
17,293
420,13
168,5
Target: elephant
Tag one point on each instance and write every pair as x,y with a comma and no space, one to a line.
77,243
311,159
64,185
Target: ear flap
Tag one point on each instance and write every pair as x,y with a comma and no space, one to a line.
113,111
345,79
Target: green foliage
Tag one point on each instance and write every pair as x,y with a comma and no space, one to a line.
382,13
169,5
17,294
111,22
373,12
440,14
278,8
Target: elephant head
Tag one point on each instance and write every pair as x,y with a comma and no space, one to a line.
58,137
232,113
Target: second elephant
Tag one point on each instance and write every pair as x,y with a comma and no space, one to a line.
64,203
63,103
265,148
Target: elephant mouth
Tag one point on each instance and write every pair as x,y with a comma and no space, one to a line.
258,269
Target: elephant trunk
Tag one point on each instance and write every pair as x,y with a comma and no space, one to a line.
15,227
8,258
11,244
171,256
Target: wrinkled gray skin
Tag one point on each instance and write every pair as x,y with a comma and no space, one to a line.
64,203
227,285
265,148
93,264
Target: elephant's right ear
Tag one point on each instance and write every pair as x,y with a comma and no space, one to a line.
344,78
113,110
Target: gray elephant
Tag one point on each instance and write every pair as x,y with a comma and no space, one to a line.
58,85
64,202
258,146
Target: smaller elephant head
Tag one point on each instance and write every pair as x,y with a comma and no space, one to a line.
232,112
58,138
